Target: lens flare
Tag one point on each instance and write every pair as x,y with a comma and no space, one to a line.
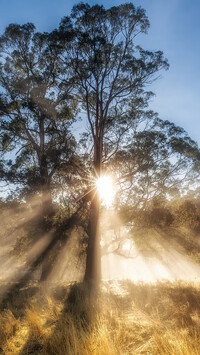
105,189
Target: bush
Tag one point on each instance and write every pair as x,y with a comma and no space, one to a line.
157,215
186,215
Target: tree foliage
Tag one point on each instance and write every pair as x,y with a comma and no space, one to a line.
91,66
34,118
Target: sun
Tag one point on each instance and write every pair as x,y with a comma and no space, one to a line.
105,189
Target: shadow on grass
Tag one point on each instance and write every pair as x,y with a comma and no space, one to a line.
75,321
122,317
16,295
132,316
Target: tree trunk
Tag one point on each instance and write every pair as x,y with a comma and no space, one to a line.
45,188
93,257
47,205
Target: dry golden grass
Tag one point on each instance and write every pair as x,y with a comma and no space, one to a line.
123,318
8,326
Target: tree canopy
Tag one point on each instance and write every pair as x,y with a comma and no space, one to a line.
93,68
34,117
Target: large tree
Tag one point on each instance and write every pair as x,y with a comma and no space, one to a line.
34,118
110,74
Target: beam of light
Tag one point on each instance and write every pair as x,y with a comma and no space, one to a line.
149,269
14,269
13,235
123,259
105,189
68,266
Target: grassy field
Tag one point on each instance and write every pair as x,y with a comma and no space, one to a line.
120,318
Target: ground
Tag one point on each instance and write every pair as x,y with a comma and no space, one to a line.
148,301
123,318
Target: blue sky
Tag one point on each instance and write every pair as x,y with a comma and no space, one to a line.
175,29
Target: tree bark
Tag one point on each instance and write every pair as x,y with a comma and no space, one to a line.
93,255
47,205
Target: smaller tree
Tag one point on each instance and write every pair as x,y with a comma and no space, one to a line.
34,118
160,160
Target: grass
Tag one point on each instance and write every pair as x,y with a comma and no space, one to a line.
123,318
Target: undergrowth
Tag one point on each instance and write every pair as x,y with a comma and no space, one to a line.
121,318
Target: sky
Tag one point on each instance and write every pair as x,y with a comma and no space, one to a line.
175,29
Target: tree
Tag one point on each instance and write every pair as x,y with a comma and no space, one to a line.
34,118
110,75
159,160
